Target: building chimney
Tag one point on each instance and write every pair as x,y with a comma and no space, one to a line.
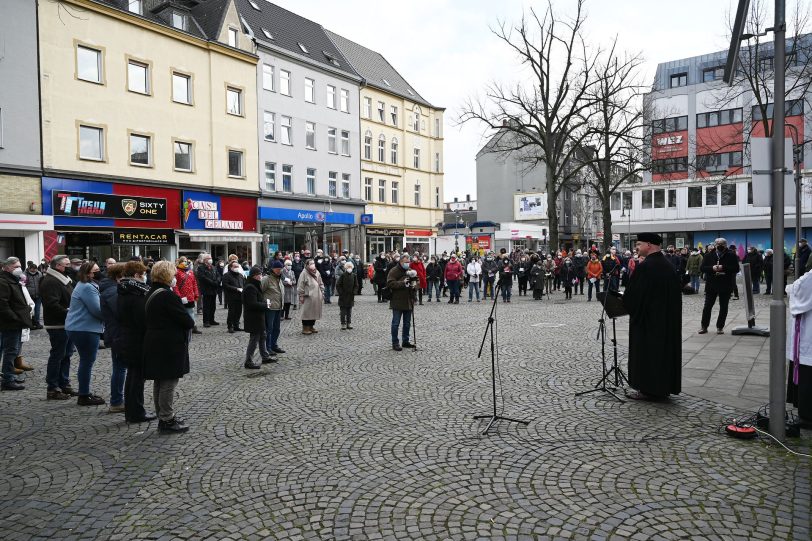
456,200
467,197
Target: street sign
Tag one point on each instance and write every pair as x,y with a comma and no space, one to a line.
615,236
367,219
761,151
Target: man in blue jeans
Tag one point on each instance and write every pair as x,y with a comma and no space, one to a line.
56,288
273,291
15,315
402,282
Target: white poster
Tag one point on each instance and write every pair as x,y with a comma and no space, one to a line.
530,206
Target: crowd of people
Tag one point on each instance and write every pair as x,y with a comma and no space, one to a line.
145,312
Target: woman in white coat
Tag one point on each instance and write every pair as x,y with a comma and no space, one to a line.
289,280
311,296
799,347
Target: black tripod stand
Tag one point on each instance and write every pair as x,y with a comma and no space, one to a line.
489,329
617,309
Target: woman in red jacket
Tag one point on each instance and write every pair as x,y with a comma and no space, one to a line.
417,265
186,288
453,274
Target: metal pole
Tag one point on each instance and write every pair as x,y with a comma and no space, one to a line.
798,214
778,310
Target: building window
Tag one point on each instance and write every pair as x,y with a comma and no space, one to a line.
393,112
668,125
718,118
183,156
310,135
381,111
267,77
367,107
672,198
627,200
345,185
311,181
614,201
302,47
711,196
91,143
670,165
331,96
287,178
719,162
417,193
694,196
647,200
270,176
750,193
368,145
235,163
345,101
679,79
381,148
437,128
284,82
180,20
791,108
140,151
437,197
659,199
394,153
310,90
331,141
381,190
368,189
232,37
416,119
234,101
332,184
88,64
181,88
417,158
135,6
713,74
728,195
395,192
766,63
268,125
345,143
254,5
287,130
137,77
436,162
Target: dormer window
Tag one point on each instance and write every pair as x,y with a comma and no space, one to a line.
267,33
331,59
232,37
409,90
303,48
180,20
386,82
254,5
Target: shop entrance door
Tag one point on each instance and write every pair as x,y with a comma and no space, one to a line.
219,251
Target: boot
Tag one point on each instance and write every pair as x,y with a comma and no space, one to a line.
20,364
349,327
195,330
343,326
306,329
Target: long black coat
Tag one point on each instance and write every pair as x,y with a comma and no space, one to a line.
207,279
345,287
653,299
232,283
14,310
254,306
166,341
723,282
55,300
132,321
380,272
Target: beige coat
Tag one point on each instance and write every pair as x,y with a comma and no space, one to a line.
311,288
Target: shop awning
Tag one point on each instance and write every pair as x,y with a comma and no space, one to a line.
220,236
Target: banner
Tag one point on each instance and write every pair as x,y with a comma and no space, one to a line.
105,205
531,206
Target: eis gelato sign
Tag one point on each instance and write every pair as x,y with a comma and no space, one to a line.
208,212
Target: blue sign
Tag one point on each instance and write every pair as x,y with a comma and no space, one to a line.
367,219
303,215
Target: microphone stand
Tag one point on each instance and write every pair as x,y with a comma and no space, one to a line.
489,330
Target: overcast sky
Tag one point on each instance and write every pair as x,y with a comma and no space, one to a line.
445,49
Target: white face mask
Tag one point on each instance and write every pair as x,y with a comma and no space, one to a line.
236,269
17,272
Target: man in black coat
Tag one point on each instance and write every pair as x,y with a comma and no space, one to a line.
208,282
15,315
55,289
719,267
653,299
756,262
233,284
402,282
803,255
255,311
325,267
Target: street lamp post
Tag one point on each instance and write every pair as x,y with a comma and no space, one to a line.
796,157
624,214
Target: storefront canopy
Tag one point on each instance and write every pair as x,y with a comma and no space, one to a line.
220,236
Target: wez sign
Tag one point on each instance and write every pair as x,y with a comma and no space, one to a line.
104,205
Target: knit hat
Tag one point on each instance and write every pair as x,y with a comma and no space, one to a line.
277,264
254,271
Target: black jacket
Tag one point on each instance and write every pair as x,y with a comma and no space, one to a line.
55,300
14,310
345,287
254,307
325,267
166,340
756,261
32,283
722,282
207,279
108,293
232,283
298,267
380,272
132,321
434,272
803,256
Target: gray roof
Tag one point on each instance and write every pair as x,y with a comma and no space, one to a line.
205,16
376,70
289,30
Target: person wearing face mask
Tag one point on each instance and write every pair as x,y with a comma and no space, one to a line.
443,262
418,266
611,270
489,270
345,288
310,291
15,315
453,275
568,277
537,279
719,267
402,301
221,270
474,271
522,267
257,304
756,261
186,288
289,281
594,271
273,291
56,289
208,281
692,267
33,277
297,266
325,267
380,276
84,326
550,272
434,276
360,273
233,284
579,262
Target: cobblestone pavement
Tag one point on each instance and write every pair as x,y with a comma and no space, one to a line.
346,439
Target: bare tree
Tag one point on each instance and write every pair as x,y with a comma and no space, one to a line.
542,122
616,128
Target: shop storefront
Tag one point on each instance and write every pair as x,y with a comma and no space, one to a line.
291,229
21,235
383,239
418,240
98,220
219,225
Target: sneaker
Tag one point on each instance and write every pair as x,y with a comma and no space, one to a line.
90,400
343,326
56,394
171,427
408,345
397,347
116,409
349,327
720,331
703,331
12,386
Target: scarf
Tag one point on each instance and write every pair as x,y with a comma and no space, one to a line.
58,275
312,272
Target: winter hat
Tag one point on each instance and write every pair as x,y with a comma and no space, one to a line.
277,264
256,270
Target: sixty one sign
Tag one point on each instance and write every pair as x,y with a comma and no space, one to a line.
105,205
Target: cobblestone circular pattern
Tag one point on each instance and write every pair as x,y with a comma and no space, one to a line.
346,439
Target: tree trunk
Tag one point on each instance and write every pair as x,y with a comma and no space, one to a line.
552,211
607,224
